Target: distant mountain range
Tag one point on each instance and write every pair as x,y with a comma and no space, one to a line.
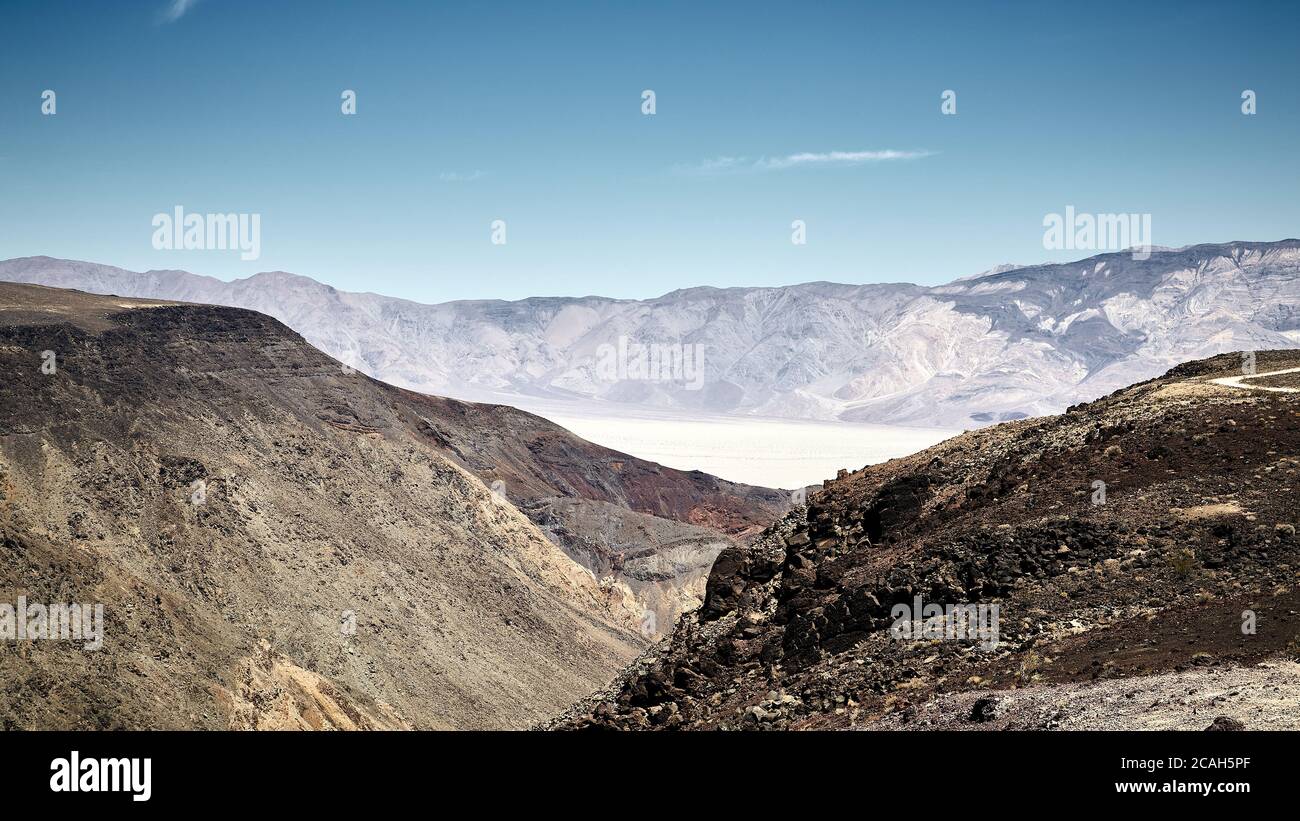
1013,342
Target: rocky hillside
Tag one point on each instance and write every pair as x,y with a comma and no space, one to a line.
652,529
1017,341
1165,597
279,542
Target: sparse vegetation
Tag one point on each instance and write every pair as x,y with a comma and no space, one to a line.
1029,667
1183,562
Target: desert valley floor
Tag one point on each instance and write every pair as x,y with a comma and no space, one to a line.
794,452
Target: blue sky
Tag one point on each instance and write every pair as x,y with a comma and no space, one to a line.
531,113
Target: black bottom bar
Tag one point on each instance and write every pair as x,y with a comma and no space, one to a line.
566,772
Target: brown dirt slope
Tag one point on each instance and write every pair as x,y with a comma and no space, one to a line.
653,529
580,495
1188,562
230,497
537,459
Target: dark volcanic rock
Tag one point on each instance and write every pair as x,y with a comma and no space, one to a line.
1126,537
984,710
1225,724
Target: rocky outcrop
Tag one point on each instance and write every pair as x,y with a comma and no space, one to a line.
1140,535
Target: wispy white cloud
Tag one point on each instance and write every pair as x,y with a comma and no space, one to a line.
719,165
833,158
806,159
459,176
175,10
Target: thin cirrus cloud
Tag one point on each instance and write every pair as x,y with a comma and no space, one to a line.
806,159
175,10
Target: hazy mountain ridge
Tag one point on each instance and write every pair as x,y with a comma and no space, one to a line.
1004,344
